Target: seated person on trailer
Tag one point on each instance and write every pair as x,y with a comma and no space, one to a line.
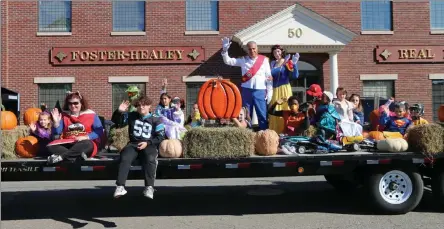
295,122
145,132
327,118
416,113
398,123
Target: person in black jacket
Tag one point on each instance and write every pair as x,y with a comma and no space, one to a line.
146,132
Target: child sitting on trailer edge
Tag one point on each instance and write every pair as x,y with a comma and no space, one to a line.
145,132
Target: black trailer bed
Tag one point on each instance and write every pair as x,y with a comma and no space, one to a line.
105,167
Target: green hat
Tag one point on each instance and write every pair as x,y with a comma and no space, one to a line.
132,89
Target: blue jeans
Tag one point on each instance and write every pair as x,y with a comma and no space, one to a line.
256,98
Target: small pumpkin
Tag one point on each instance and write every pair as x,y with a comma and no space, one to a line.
31,115
376,135
392,145
8,120
27,147
171,148
266,142
441,113
219,99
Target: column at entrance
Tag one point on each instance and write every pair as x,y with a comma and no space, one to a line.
334,77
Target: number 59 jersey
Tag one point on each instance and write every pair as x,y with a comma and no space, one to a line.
141,129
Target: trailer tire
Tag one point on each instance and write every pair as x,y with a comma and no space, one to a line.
438,188
340,183
395,191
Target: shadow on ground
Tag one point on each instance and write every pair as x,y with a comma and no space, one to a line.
90,204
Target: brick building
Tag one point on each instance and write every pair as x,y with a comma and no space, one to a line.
101,47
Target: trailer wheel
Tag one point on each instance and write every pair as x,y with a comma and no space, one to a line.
395,191
438,188
341,183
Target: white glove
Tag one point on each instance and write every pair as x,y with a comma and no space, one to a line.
295,58
226,44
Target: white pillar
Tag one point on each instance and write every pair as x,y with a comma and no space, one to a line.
334,78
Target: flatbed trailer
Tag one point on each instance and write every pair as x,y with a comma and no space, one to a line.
394,181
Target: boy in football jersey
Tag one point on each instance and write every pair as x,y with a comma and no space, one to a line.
146,132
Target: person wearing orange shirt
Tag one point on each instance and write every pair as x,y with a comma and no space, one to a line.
295,122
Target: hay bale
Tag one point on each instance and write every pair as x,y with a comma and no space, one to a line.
426,139
223,142
9,137
120,137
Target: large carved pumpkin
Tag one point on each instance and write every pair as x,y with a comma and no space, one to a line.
441,113
9,120
171,148
219,99
27,147
267,142
31,115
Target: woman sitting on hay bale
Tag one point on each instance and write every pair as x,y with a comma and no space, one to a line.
145,132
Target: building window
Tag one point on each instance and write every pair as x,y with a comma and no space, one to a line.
119,92
192,91
376,15
437,97
54,16
202,15
129,16
437,14
50,93
382,88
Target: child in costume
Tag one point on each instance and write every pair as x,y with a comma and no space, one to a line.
145,132
282,70
358,111
345,110
295,122
398,123
416,113
171,114
42,131
327,117
194,119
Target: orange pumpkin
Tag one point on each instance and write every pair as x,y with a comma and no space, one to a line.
31,115
219,99
376,135
27,147
9,120
266,142
365,134
441,113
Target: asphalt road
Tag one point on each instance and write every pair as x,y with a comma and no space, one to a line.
277,203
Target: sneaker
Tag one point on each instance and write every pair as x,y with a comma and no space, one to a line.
54,159
120,191
149,192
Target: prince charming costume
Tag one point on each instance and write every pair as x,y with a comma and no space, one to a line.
255,76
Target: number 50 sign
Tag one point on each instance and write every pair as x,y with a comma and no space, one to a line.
292,32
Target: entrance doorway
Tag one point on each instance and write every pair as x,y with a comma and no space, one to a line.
308,75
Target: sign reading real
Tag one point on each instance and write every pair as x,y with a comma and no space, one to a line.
126,55
397,54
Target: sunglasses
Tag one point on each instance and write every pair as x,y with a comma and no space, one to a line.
74,103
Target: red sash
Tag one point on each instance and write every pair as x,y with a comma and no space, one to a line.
253,70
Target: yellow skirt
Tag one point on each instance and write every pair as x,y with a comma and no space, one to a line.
274,122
